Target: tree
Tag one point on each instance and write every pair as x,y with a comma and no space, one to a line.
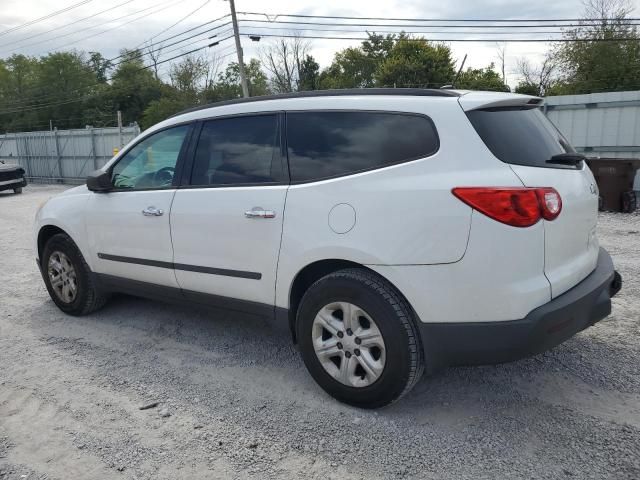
357,67
415,62
228,84
133,87
538,80
283,60
481,79
100,66
309,74
170,103
188,74
603,56
154,56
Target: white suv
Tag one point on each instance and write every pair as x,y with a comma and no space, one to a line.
390,230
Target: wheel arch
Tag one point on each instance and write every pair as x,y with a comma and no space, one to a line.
44,234
313,272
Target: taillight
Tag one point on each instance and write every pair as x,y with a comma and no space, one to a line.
515,206
550,202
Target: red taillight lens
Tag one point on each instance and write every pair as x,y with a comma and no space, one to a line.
550,202
515,206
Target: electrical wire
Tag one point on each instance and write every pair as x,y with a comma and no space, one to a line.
149,52
452,40
64,35
498,20
66,25
414,25
170,4
182,33
174,24
85,97
45,17
304,29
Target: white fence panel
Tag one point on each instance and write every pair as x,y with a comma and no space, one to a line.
63,155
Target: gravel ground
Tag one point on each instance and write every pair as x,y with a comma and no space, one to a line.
235,400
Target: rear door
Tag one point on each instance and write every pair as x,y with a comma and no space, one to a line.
523,137
226,223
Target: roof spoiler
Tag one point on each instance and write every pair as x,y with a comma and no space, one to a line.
482,100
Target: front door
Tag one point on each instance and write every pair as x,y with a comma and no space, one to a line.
128,228
226,225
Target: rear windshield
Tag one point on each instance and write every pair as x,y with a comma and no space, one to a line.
520,136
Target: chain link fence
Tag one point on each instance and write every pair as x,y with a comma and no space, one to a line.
63,156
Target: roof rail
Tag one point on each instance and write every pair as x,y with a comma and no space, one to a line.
418,92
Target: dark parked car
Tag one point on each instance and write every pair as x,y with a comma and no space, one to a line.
12,177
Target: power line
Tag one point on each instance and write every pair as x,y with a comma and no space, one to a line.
140,55
170,4
85,97
413,25
452,40
181,47
163,46
174,24
499,20
74,32
310,29
44,17
66,25
185,31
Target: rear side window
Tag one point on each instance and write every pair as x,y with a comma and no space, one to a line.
238,151
330,144
520,136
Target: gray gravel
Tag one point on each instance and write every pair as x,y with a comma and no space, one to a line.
234,399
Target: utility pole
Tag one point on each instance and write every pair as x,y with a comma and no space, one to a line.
236,34
120,128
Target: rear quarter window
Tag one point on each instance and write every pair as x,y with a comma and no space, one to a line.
330,144
520,136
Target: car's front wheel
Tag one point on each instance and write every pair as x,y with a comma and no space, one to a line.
68,277
358,338
17,190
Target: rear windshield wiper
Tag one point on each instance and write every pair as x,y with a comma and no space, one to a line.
567,159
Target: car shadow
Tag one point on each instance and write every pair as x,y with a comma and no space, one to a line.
247,341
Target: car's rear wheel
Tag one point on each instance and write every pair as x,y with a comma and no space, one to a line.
68,278
17,190
358,338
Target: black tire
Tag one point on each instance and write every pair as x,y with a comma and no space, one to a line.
88,298
395,320
629,202
17,190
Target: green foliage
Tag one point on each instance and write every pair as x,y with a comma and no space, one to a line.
592,65
133,87
481,79
528,88
309,74
414,62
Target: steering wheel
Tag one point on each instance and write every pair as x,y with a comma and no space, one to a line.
164,176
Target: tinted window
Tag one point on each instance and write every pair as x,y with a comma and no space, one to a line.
520,136
238,150
152,162
327,144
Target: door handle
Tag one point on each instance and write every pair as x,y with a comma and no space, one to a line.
259,212
152,212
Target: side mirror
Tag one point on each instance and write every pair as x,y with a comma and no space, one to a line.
99,181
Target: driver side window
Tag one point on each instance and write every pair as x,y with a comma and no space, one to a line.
152,162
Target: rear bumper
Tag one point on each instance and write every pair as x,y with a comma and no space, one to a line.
544,328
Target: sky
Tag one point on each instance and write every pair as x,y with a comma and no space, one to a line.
114,29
